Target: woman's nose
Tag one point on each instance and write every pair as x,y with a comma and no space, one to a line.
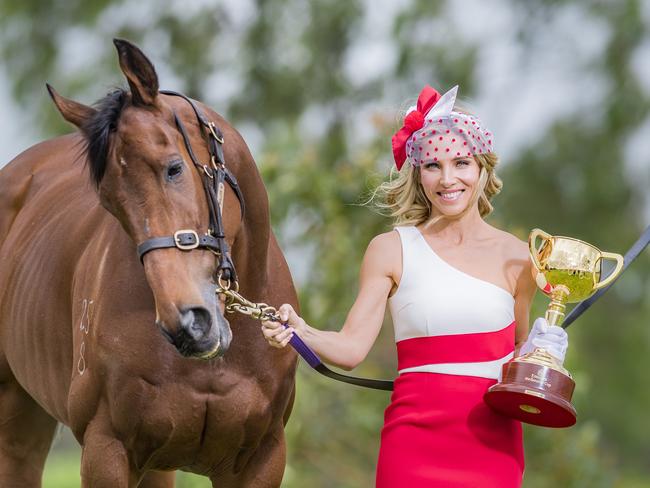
447,176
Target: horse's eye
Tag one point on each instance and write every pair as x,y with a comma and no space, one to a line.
174,170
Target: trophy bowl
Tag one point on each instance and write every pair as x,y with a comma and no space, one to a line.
536,388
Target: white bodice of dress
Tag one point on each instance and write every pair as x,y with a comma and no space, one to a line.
437,299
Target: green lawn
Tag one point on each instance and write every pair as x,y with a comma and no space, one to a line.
62,471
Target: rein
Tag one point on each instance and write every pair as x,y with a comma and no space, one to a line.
213,176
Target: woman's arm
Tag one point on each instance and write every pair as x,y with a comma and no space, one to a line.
524,294
348,347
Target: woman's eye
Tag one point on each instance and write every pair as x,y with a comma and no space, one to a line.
462,162
173,170
431,165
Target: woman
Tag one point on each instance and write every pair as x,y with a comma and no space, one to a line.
459,292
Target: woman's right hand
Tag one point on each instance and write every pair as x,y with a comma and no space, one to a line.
276,334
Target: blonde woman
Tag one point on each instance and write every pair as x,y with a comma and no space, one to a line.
459,293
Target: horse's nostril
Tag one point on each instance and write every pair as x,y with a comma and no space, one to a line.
195,322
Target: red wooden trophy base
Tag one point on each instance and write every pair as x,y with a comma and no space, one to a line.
534,393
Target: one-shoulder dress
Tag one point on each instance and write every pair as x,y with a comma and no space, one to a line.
453,333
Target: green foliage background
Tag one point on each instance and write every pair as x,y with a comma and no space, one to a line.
276,69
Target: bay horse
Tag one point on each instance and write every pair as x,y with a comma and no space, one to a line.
137,357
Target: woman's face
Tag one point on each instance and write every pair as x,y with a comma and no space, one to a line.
449,183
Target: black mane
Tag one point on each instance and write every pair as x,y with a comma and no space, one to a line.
98,129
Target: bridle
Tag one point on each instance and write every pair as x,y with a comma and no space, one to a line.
213,175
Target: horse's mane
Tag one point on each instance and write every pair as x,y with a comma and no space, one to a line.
97,131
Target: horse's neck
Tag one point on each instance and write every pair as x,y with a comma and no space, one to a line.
253,243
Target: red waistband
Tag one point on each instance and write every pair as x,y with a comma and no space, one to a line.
456,348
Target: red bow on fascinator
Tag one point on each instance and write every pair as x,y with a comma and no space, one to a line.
413,122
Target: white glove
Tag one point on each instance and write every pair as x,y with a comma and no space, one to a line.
551,338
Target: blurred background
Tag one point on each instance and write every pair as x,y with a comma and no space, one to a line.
316,89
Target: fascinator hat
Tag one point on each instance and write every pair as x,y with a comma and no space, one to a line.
432,130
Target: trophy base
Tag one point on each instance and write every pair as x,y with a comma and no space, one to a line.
534,393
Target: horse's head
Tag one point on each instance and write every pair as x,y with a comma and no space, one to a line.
146,178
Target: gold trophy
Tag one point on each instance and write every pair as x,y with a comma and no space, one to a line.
536,388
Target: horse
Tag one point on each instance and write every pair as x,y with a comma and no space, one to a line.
109,322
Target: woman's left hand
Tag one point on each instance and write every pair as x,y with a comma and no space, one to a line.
551,338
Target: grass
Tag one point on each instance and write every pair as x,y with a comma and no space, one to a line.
62,471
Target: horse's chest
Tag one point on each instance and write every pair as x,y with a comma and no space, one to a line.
176,424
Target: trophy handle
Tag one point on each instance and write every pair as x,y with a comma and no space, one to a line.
614,274
532,238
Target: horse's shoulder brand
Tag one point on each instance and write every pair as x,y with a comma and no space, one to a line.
84,327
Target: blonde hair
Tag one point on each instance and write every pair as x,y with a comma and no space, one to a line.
402,196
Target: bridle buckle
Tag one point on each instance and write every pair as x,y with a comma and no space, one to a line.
213,132
186,239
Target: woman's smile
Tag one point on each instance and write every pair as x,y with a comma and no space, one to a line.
450,195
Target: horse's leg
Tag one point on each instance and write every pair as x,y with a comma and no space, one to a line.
105,463
265,467
104,459
26,433
158,479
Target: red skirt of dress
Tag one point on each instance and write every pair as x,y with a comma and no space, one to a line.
438,432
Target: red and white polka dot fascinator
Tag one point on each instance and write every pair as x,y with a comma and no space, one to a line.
432,130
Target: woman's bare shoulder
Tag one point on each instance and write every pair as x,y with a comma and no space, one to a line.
384,253
511,245
385,244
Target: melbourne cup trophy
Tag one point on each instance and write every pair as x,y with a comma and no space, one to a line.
536,388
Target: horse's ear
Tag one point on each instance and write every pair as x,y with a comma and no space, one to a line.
74,112
139,72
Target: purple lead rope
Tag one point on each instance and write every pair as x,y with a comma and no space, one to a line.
304,350
315,362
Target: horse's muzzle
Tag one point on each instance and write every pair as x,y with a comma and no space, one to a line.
198,335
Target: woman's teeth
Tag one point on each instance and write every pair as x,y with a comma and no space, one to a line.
451,195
